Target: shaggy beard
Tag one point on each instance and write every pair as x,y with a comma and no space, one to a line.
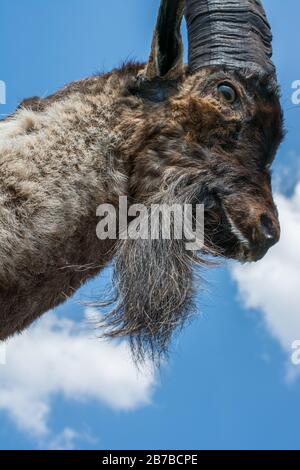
154,282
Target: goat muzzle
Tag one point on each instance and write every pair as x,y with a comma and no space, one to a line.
255,228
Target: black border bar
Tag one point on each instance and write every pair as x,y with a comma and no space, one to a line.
136,459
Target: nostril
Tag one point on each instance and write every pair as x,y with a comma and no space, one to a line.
268,230
267,226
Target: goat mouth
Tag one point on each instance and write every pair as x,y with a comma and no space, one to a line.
244,250
222,236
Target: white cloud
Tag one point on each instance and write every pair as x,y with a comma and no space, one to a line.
273,284
66,440
58,356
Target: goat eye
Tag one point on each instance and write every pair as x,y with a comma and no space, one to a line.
227,92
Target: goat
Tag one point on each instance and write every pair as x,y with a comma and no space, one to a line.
159,132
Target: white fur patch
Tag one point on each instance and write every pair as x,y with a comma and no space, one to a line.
236,231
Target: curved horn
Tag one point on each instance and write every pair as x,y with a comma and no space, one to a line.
234,33
167,51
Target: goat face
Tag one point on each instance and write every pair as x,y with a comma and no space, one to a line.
236,120
208,137
229,108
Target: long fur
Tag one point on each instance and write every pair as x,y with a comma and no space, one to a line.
155,281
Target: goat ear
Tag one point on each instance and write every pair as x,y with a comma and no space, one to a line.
166,58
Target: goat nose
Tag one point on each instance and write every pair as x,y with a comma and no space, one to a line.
269,231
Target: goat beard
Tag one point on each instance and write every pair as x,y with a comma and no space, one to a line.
154,281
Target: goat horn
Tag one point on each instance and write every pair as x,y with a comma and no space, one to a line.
166,58
233,33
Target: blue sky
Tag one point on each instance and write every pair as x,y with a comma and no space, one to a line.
229,382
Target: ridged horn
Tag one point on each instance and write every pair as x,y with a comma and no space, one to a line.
233,33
